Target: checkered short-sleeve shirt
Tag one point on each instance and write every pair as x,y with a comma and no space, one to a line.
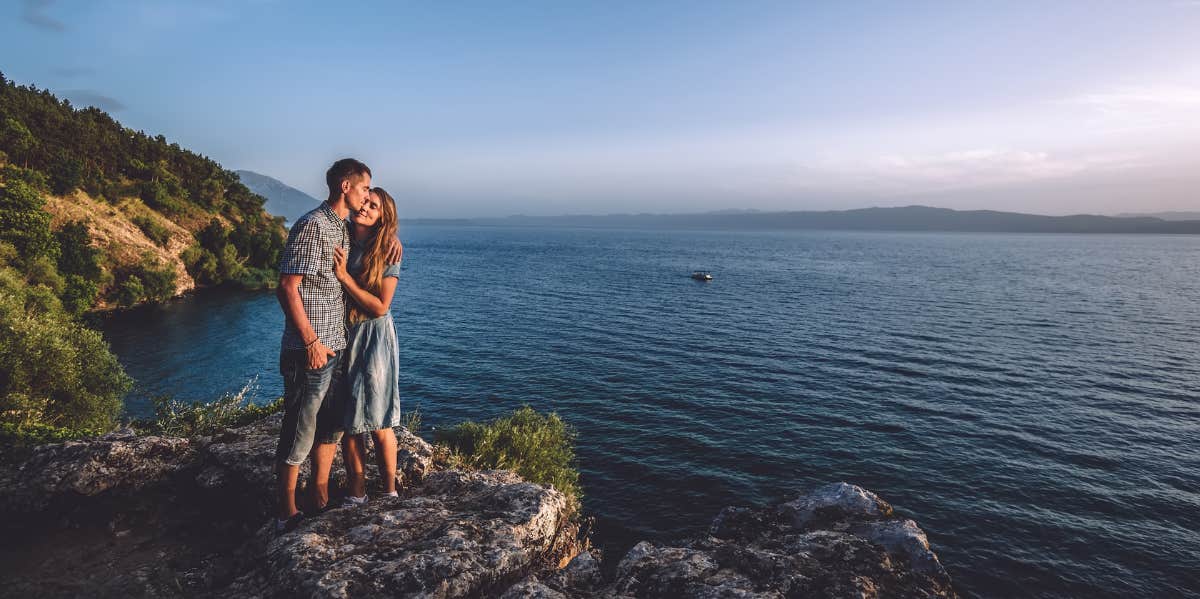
309,252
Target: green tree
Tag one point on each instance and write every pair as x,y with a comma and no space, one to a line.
17,140
23,223
66,173
130,291
156,195
77,254
201,265
79,294
57,372
158,281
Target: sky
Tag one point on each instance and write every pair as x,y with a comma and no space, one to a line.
494,108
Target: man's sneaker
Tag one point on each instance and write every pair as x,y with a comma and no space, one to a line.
286,526
351,501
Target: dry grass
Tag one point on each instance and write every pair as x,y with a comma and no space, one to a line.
113,231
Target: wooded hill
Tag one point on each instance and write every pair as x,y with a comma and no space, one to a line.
125,217
93,215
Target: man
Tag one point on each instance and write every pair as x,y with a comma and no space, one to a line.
314,338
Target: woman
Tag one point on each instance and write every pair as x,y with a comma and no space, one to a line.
373,400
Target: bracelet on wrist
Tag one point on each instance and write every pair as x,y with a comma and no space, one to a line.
310,343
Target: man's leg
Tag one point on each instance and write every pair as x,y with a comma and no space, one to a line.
322,463
304,391
329,425
285,481
296,432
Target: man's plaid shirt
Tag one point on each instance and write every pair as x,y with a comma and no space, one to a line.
309,252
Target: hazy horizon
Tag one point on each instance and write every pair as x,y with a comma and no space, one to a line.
484,110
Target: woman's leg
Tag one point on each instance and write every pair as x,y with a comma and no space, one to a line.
385,456
352,454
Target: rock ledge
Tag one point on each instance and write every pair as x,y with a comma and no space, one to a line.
126,515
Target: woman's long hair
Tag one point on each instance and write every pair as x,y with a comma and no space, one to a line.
375,250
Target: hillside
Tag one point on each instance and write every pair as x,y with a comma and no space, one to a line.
95,215
137,219
282,199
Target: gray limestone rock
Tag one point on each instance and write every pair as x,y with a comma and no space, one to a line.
530,588
117,463
837,501
178,517
838,541
465,535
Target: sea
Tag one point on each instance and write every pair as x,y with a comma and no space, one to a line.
1031,400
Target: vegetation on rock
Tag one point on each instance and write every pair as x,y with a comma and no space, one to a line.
538,447
178,419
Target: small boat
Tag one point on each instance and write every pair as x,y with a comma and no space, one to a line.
702,275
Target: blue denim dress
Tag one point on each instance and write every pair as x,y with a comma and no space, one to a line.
372,364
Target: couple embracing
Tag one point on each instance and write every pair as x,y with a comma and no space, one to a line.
339,355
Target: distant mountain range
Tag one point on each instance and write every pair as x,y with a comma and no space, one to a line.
282,199
1164,215
908,218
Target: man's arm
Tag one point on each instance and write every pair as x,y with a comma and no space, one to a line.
395,252
371,304
288,294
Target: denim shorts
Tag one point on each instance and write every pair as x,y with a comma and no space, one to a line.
312,410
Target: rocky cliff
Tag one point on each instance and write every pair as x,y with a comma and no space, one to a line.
127,515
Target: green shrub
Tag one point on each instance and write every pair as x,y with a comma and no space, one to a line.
79,294
158,197
77,256
146,280
538,447
257,278
15,436
130,291
157,233
158,281
8,254
56,371
412,420
201,265
23,223
42,271
230,266
178,419
35,179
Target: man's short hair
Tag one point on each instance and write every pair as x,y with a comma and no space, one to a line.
342,170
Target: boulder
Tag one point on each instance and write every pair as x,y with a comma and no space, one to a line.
464,534
839,540
117,464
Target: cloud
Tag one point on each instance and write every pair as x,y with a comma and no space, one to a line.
87,97
1133,99
974,167
71,72
34,13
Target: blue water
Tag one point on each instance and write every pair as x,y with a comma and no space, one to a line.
1031,400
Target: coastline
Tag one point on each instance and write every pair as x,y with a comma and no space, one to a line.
173,516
